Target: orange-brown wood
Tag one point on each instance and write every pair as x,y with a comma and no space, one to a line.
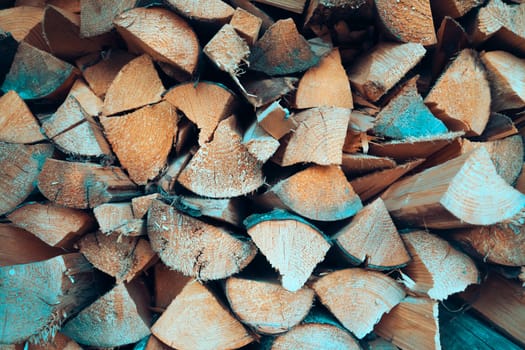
168,284
499,127
259,143
228,50
359,164
168,179
247,25
275,120
17,123
112,215
452,38
21,20
296,6
248,6
96,16
260,92
141,204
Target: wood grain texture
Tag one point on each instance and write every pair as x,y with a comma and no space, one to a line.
216,11
311,336
96,16
17,123
246,24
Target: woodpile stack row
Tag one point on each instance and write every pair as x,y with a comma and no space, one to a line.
207,174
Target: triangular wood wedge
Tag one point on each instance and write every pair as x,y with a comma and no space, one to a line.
17,123
259,143
275,120
229,210
215,11
246,25
359,163
168,284
228,50
311,336
112,215
96,17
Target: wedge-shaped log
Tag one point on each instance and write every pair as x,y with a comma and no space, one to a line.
194,247
454,8
17,123
310,336
293,246
260,92
358,298
228,50
168,284
215,11
259,143
246,24
229,210
360,163
96,16
112,215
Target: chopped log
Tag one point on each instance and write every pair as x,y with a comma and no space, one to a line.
143,139
311,336
369,74
276,310
344,292
168,284
437,269
196,319
155,344
270,57
276,120
506,74
194,247
169,178
325,85
59,342
290,244
140,205
499,127
228,51
90,102
454,8
117,318
467,112
319,193
55,225
322,12
83,185
356,134
149,30
36,298
223,167
37,74
260,92
380,344
112,215
214,11
406,116
229,210
248,6
67,116
372,238
359,163
205,104
370,185
295,6
408,21
259,143
22,247
464,190
121,257
137,84
318,138
247,25
20,20
96,17
20,166
452,38
412,324
17,123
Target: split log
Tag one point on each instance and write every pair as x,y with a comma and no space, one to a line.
143,139
83,185
205,104
345,292
169,177
319,193
380,344
276,310
359,163
112,215
21,20
452,38
59,342
499,127
259,143
464,190
53,224
291,245
437,269
36,298
168,284
20,167
311,336
37,74
137,84
196,319
261,92
412,324
295,6
87,99
214,11
194,247
140,205
506,74
223,167
247,25
148,30
325,85
369,74
117,318
408,20
270,57
276,120
318,138
229,210
372,238
96,17
454,8
17,123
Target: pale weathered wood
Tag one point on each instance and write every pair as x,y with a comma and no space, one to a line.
215,11
454,8
312,336
276,120
259,143
96,16
296,6
247,25
17,123
112,215
229,210
228,50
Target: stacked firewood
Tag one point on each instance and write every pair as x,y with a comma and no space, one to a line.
207,174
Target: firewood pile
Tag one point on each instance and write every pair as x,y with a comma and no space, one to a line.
269,174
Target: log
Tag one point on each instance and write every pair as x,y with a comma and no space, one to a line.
408,21
437,270
148,30
168,179
17,123
140,205
20,20
205,324
372,238
228,51
223,168
259,143
36,298
295,6
319,193
325,85
368,75
454,8
59,342
228,210
360,163
412,324
276,120
248,6
265,306
53,224
344,292
96,17
168,284
87,99
214,11
83,185
467,112
247,25
452,38
112,215
20,167
260,92
117,318
499,127
310,336
291,245
194,247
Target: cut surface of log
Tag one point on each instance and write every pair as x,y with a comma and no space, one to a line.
228,50
379,70
290,244
17,123
296,6
247,25
454,8
229,210
223,168
358,298
259,143
372,237
437,269
112,215
194,247
266,306
196,319
96,16
276,120
168,284
216,11
20,167
311,336
20,20
140,205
